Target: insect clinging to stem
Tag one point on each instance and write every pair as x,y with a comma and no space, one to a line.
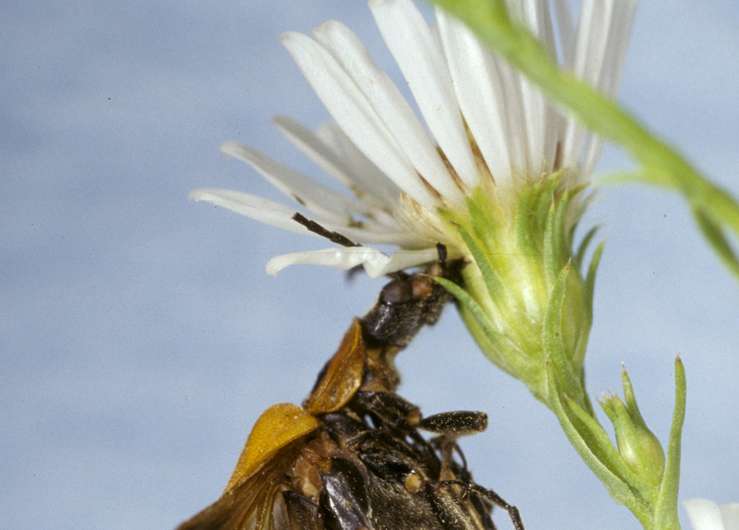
352,456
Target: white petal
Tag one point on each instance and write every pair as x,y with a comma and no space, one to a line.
377,201
730,515
481,94
589,62
374,262
619,29
340,258
417,52
541,120
351,110
377,236
281,216
363,171
704,514
618,43
256,208
304,190
566,31
312,147
403,259
390,106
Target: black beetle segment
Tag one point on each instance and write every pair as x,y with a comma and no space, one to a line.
345,499
404,306
458,423
388,409
302,514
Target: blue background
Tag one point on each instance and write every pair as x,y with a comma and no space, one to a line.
140,337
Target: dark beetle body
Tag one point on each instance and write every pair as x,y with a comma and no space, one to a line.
366,465
404,306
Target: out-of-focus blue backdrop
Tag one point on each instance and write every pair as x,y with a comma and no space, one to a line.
140,337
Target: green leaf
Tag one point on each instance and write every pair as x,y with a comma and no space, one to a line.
665,512
661,164
718,240
631,177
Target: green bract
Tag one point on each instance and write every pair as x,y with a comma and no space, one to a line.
521,263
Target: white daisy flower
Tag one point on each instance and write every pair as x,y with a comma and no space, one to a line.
707,515
490,169
482,126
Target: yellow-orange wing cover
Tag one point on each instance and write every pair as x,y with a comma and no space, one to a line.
277,427
342,376
248,503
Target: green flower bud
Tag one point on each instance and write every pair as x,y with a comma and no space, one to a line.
639,447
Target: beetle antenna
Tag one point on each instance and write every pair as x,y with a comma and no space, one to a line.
316,228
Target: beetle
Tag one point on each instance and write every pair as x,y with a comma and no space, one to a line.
352,457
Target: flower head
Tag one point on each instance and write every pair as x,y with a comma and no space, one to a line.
482,128
707,515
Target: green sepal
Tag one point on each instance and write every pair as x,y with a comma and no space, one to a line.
583,247
665,511
590,278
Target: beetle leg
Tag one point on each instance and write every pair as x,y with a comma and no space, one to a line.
388,409
490,496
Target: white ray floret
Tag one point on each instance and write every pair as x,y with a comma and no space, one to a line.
480,122
707,515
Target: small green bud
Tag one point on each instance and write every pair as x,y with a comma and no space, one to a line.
639,447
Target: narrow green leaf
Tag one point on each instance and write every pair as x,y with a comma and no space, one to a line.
718,240
631,177
665,512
